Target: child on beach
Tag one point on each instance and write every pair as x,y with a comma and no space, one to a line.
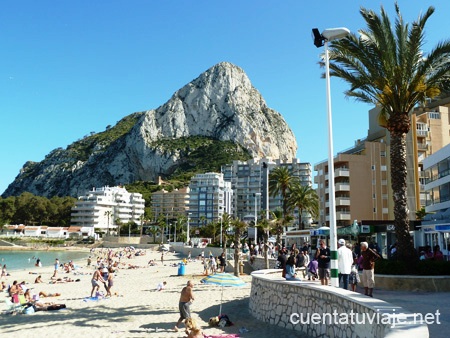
161,286
313,269
353,279
205,267
192,329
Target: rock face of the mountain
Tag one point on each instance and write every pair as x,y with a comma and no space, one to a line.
220,104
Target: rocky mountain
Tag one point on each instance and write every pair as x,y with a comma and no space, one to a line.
221,105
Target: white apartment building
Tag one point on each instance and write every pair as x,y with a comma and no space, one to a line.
249,181
436,224
209,198
102,208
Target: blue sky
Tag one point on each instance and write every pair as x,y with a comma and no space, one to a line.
72,67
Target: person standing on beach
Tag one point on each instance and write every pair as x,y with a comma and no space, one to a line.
96,280
56,267
186,298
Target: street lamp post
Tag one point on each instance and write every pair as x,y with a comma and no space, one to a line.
187,230
319,41
256,194
221,216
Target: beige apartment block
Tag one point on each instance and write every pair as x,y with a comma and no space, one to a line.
362,173
170,204
361,184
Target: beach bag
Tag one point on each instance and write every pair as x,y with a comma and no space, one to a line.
224,321
29,310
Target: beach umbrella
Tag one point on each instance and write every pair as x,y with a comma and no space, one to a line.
223,279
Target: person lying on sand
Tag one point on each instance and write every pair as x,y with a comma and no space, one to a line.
45,294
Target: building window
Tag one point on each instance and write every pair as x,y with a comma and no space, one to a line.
373,167
383,168
383,153
434,115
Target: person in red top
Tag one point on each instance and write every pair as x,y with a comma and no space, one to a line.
368,264
437,253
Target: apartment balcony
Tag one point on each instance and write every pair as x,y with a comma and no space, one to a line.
339,187
422,146
340,216
343,216
422,133
342,172
342,187
342,201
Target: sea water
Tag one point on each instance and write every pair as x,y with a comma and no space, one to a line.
23,260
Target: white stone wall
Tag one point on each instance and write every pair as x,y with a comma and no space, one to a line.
274,300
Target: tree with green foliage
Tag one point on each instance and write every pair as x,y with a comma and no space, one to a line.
226,221
421,213
238,227
387,66
305,199
108,214
277,222
265,226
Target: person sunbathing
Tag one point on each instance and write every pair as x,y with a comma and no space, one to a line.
38,280
45,294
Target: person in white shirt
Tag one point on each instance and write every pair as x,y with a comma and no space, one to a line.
345,262
161,286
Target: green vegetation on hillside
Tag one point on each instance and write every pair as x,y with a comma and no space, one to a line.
82,149
199,154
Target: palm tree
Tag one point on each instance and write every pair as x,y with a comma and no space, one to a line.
162,223
265,226
119,226
239,228
305,199
280,183
421,213
108,214
277,221
226,221
141,218
386,66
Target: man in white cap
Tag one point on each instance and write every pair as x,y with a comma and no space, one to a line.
345,262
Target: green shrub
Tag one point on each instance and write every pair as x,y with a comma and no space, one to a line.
418,268
430,267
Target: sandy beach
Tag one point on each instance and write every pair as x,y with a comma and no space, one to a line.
138,310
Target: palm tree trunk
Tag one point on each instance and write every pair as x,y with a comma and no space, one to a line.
405,249
237,236
266,249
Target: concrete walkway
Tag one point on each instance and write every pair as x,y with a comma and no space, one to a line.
422,302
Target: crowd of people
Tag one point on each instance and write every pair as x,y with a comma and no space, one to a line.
299,264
